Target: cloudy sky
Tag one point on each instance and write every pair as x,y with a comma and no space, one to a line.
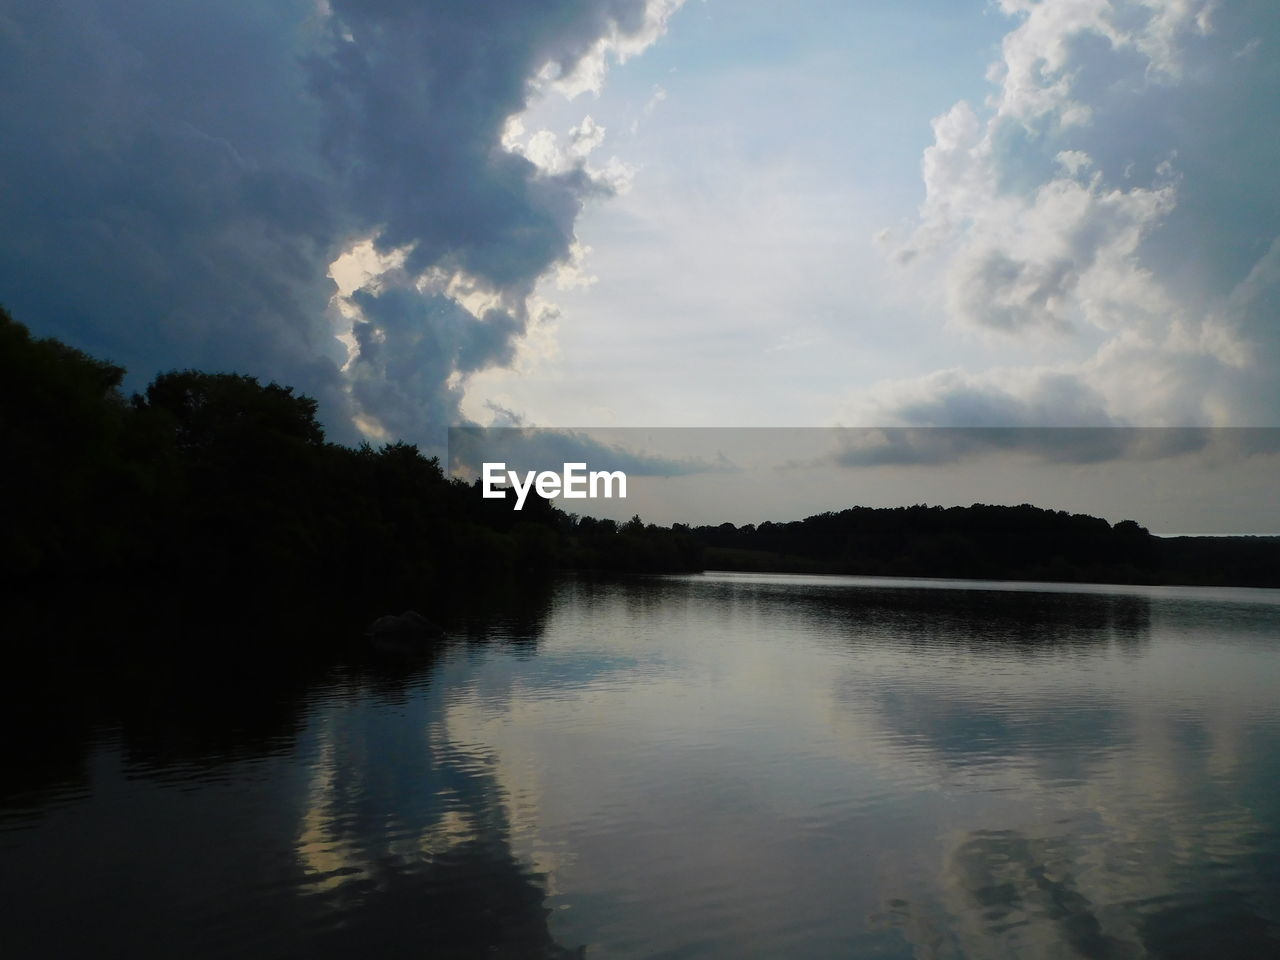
659,213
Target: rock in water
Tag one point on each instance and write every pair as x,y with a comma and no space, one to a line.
411,630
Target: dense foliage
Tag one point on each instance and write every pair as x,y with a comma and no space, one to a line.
212,488
991,542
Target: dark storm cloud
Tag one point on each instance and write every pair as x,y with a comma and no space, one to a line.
416,96
177,179
410,344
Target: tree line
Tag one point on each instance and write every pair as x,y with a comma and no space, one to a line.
215,489
984,541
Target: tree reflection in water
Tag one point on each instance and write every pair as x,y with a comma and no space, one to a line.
300,804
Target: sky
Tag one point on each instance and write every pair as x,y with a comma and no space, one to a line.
1172,480
625,213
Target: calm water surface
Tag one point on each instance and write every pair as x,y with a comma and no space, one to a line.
709,766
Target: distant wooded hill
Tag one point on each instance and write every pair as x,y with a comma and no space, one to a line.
989,542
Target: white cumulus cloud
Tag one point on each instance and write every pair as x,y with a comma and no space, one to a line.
1070,205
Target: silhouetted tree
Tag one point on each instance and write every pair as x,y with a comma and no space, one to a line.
213,489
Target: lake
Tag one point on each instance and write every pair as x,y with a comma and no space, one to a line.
717,765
